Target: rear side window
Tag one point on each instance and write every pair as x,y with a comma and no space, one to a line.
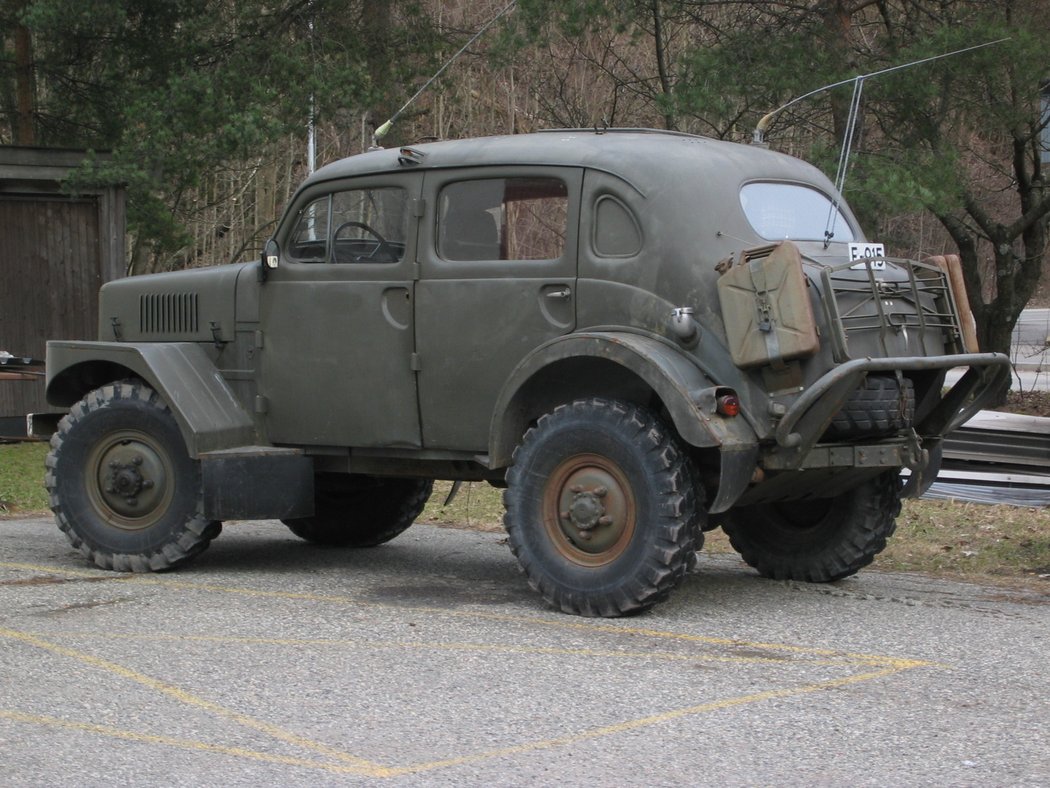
789,211
503,219
616,231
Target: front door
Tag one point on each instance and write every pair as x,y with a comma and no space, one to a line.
497,279
337,318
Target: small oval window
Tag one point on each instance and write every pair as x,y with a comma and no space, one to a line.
616,231
789,211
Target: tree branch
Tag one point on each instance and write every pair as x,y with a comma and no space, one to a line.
984,221
1033,215
661,59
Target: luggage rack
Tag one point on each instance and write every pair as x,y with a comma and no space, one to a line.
927,288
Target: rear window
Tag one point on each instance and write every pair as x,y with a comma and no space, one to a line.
788,211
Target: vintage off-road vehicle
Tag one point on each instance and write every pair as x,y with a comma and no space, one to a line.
640,335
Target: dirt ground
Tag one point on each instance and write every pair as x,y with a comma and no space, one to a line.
1028,403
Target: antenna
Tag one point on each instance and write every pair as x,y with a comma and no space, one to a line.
759,134
385,128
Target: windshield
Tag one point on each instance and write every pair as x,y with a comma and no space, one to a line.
788,211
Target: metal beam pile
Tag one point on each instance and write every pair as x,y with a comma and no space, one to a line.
997,458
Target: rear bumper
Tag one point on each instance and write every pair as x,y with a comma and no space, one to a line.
808,417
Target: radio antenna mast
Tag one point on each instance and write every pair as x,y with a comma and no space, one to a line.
758,136
385,128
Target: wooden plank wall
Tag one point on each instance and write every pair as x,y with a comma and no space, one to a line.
50,271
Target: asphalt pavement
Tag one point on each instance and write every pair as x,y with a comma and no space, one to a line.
428,661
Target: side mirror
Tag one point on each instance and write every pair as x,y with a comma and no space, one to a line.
270,259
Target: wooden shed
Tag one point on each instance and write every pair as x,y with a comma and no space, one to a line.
56,250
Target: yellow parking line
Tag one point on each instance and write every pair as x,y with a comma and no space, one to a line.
493,648
54,570
884,666
395,771
193,700
655,719
184,744
558,623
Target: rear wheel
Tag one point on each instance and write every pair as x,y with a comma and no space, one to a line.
361,511
817,540
601,511
123,488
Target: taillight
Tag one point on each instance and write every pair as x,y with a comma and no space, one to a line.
728,404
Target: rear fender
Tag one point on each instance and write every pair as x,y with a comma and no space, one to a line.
684,390
208,414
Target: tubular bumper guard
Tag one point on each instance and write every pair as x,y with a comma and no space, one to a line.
808,417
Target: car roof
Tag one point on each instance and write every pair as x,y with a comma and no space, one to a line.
645,158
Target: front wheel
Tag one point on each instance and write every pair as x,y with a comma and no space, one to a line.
122,486
601,511
821,540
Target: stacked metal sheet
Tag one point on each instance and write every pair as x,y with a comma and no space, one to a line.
997,458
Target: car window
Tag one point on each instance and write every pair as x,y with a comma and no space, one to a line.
789,211
616,231
521,218
309,239
353,226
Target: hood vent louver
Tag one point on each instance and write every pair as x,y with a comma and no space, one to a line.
168,313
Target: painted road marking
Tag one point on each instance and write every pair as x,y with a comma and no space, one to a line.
188,698
336,760
656,656
171,741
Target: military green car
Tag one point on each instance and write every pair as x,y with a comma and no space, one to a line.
639,335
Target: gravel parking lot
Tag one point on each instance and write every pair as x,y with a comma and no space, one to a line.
429,661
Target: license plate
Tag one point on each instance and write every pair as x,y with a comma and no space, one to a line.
860,251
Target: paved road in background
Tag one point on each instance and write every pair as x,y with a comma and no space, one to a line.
428,661
1031,351
1033,329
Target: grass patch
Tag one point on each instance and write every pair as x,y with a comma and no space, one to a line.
968,541
478,505
22,478
971,541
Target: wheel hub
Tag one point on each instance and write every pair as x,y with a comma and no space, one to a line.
126,481
132,479
590,510
586,511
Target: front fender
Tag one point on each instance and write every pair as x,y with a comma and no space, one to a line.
685,391
207,412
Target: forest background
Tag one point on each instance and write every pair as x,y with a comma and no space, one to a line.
204,104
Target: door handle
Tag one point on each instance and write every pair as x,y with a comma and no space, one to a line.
560,293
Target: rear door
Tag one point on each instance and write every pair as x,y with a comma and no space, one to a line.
497,255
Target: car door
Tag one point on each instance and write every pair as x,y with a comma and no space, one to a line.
337,318
497,279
